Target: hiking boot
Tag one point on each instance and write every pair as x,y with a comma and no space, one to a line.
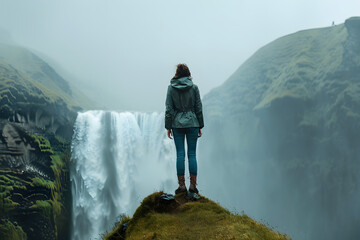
180,190
192,187
182,187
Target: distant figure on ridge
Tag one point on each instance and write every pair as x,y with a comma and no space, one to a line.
184,118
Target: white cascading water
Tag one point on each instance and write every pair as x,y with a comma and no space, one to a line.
118,158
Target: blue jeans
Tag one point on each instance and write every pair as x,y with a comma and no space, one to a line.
191,139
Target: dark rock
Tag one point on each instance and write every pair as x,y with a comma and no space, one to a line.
124,227
167,197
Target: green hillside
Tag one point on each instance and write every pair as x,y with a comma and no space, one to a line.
184,219
38,70
286,126
32,92
298,66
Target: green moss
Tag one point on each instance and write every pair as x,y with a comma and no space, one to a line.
116,232
5,179
8,184
42,143
12,184
57,164
147,205
203,219
44,206
10,231
41,182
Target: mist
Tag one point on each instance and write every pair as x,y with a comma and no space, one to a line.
290,163
122,54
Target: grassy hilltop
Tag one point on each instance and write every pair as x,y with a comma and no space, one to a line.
184,219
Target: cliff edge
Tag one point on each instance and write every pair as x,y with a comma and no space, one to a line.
160,216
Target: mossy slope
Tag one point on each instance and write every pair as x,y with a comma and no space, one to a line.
34,203
10,231
292,113
184,219
301,66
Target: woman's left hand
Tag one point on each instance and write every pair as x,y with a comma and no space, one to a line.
169,133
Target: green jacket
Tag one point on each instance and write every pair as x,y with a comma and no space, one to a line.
183,104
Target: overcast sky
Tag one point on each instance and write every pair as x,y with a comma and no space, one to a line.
125,52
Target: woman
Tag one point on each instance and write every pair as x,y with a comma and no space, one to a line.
184,118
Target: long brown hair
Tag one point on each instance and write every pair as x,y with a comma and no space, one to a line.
182,70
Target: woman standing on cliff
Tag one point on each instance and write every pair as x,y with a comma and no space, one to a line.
184,118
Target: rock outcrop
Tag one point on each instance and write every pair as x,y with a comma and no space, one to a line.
180,218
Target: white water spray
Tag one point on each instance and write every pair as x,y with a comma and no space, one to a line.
117,160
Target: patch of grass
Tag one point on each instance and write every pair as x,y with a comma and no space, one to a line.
202,219
117,232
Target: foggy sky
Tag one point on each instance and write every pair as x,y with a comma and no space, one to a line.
124,52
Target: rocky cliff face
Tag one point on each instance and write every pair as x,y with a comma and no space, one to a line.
286,127
35,184
37,112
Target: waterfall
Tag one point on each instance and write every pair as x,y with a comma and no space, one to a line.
117,159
